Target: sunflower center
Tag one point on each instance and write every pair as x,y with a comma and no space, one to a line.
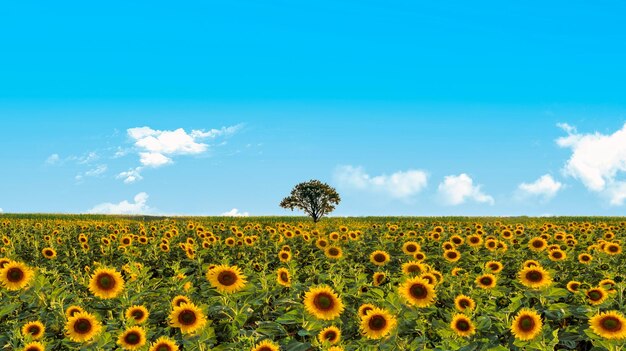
534,276
377,322
106,281
137,314
379,257
486,281
132,338
464,303
48,253
526,323
413,268
537,244
418,291
474,240
15,274
594,295
284,277
613,248
463,325
411,248
187,317
226,278
365,310
611,324
330,335
33,330
451,254
82,326
333,252
493,267
557,255
163,347
33,348
323,301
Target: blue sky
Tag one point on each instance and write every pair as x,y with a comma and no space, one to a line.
407,109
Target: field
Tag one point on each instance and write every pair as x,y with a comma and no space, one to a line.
278,283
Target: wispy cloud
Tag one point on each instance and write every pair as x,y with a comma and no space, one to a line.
400,185
53,159
457,189
94,172
138,206
597,160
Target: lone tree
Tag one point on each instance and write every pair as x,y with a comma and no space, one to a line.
313,197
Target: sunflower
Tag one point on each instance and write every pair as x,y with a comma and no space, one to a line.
613,249
132,338
15,275
331,335
34,346
464,302
164,344
526,324
411,247
379,257
283,277
379,278
323,303
494,266
585,258
49,253
138,313
179,300
377,323
609,325
557,255
72,310
474,240
531,263
486,281
82,326
284,256
333,252
321,243
34,329
596,296
413,267
364,308
188,317
462,325
266,345
419,256
452,255
608,285
535,277
573,286
227,279
106,283
418,292
537,244
457,240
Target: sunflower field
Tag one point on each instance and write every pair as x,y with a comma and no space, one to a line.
276,283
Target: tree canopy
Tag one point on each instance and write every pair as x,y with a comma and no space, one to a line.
315,198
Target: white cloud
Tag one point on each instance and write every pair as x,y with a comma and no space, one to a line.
153,159
137,207
157,148
94,172
545,187
456,189
235,213
401,184
597,160
130,176
53,159
1,210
